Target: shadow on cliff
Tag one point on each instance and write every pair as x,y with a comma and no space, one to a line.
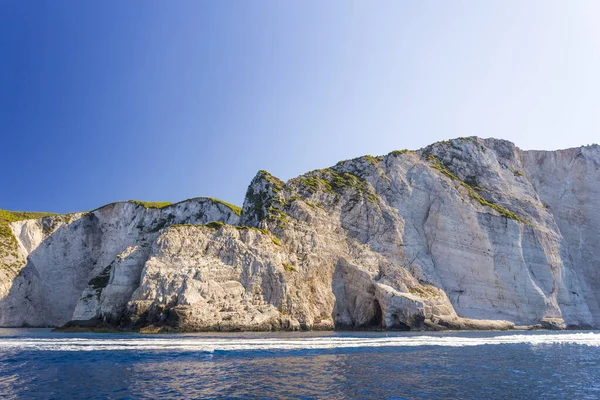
31,301
356,305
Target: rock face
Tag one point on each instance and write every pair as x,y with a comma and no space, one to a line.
71,260
464,234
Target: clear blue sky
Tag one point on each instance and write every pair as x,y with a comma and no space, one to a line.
162,101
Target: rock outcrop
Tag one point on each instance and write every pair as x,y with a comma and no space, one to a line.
465,234
70,259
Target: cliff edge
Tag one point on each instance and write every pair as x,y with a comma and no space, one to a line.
463,234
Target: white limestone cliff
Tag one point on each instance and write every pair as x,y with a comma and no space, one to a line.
465,234
68,258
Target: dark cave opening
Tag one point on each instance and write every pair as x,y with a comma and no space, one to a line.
398,325
377,320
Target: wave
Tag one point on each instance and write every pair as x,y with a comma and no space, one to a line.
236,344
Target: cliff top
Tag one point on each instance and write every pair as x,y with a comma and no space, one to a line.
456,144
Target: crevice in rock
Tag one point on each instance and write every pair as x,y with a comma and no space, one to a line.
377,320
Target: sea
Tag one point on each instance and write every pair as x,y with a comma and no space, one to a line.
40,364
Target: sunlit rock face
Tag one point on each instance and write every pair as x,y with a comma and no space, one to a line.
465,234
69,261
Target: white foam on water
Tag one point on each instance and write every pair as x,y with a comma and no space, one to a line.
232,344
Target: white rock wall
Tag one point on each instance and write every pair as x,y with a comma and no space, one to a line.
61,264
464,234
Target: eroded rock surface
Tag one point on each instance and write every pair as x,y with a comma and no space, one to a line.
464,234
70,261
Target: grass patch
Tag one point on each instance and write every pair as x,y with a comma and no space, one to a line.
178,225
437,164
314,205
373,160
277,184
257,203
288,267
8,242
516,172
334,182
397,153
151,204
236,210
6,217
263,231
279,217
501,210
162,204
214,225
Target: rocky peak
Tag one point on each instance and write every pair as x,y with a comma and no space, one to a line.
264,190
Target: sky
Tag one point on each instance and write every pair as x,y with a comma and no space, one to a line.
102,101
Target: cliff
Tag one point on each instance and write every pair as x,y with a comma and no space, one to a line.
464,234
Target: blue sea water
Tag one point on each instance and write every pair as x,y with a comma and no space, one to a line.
37,363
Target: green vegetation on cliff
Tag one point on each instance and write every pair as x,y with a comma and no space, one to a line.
164,204
334,182
8,243
236,210
277,184
7,217
259,202
471,187
151,204
243,228
288,267
214,224
397,153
